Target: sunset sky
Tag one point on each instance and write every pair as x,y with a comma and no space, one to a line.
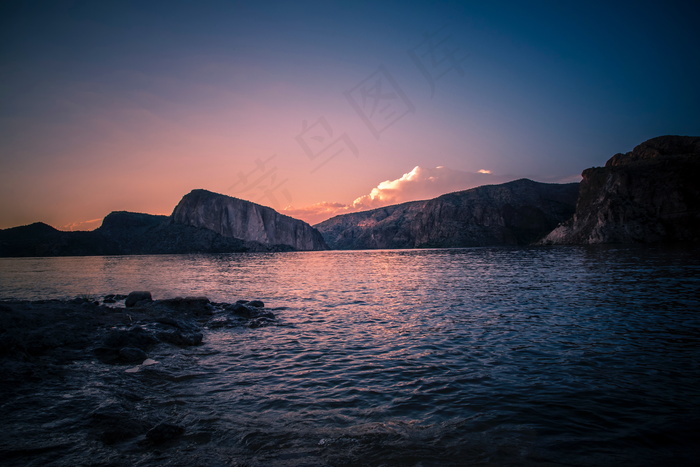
318,108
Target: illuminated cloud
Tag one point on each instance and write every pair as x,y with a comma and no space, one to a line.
423,183
419,183
82,225
318,212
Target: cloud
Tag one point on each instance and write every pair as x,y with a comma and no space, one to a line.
423,183
419,183
82,225
318,212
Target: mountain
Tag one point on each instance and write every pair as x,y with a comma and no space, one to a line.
41,239
648,195
137,233
236,226
233,217
514,213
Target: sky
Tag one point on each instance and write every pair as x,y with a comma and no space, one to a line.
317,108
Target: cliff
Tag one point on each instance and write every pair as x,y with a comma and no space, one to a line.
233,217
648,195
514,213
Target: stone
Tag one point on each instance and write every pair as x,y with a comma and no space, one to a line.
199,306
219,322
137,297
136,337
256,304
180,338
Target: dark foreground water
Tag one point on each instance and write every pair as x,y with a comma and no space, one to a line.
489,356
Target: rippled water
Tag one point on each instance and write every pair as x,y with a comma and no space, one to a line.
487,356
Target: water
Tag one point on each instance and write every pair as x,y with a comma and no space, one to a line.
488,356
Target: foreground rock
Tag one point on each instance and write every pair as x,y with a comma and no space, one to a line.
514,213
60,332
648,195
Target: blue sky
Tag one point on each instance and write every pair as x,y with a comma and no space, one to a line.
129,105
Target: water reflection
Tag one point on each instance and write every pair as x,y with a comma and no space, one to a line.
512,356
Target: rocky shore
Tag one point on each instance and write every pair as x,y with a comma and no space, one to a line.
52,350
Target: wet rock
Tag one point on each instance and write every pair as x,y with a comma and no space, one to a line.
241,309
248,311
199,306
177,337
259,322
137,297
132,355
133,337
219,322
164,432
177,323
256,304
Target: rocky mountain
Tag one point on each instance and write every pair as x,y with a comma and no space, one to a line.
513,213
648,195
136,233
185,231
233,217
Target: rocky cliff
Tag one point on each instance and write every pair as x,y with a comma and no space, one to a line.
648,195
233,217
122,233
514,213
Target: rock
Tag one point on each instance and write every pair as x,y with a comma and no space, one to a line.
648,195
514,213
177,323
164,432
132,355
219,322
177,337
136,337
256,304
247,311
199,306
236,218
259,322
137,297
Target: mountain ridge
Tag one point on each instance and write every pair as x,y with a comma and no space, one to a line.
513,213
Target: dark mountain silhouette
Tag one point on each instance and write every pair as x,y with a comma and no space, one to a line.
648,195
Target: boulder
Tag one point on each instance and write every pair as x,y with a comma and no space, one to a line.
136,337
137,297
199,306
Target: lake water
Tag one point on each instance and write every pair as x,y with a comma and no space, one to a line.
563,356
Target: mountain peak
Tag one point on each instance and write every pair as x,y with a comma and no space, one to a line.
233,217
